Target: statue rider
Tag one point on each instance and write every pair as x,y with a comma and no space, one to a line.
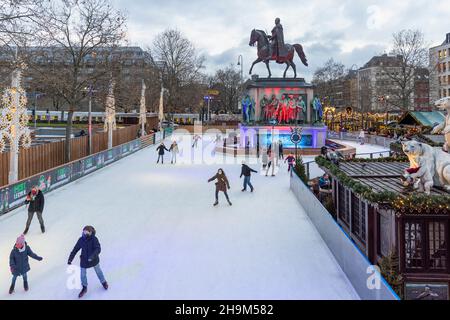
277,40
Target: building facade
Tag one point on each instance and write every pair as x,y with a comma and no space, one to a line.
440,70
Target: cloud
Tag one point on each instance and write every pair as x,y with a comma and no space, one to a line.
350,31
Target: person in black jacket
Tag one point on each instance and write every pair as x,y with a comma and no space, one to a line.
35,200
247,173
280,150
89,258
161,150
18,262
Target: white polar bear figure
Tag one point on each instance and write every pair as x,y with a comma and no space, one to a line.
421,154
444,128
424,162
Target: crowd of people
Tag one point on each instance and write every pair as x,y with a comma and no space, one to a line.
89,244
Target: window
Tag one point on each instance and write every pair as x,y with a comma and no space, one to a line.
414,245
359,218
437,246
343,205
426,245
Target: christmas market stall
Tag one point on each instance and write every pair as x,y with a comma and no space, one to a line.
404,231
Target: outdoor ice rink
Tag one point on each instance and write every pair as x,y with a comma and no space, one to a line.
162,238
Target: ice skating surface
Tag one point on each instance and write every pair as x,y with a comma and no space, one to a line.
162,238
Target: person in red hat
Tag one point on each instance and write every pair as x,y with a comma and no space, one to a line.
35,200
18,262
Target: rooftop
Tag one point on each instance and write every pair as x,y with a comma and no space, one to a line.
423,118
382,176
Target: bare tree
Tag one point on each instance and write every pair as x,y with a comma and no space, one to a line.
182,68
77,42
412,53
17,19
326,78
228,82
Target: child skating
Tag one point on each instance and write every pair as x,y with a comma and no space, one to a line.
89,258
18,262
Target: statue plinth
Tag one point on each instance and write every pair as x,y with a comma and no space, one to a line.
295,88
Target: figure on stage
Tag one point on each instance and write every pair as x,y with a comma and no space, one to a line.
302,110
283,109
316,106
273,108
264,115
292,113
248,111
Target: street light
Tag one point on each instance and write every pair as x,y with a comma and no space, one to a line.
90,90
241,64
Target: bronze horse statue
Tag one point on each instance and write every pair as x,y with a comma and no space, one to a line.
265,55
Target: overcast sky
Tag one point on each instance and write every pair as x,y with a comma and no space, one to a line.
350,31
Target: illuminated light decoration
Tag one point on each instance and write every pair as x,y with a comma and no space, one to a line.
143,110
110,114
14,121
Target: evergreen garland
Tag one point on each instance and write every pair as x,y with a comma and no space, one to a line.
412,204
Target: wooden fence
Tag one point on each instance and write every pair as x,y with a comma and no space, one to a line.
43,157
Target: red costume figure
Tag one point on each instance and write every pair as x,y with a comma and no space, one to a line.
283,110
292,115
273,108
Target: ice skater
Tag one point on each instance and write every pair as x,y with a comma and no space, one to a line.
291,162
247,173
196,139
89,258
280,150
35,200
161,150
362,137
264,158
18,262
271,163
222,184
174,150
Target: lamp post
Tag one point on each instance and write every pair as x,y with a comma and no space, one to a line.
240,63
90,91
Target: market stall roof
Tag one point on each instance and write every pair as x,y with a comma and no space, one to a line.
382,176
422,118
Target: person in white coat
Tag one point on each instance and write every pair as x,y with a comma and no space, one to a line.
362,137
264,158
175,150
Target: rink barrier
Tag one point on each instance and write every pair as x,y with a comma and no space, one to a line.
13,196
352,261
369,138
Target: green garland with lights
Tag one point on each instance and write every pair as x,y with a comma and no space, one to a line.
381,160
412,204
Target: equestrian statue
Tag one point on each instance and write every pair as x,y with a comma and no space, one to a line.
273,48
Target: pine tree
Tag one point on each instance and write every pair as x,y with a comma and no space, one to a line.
300,169
389,268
